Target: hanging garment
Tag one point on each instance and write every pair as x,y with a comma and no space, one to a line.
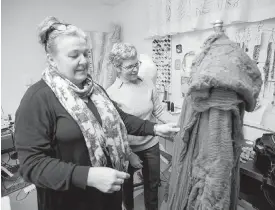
205,166
273,66
108,73
267,63
102,70
256,52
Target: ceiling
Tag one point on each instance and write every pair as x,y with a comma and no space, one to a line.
110,2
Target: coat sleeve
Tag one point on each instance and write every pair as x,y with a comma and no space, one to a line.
34,123
134,125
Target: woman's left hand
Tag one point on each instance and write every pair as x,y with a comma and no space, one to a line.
135,161
166,130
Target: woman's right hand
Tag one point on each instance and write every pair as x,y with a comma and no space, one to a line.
106,179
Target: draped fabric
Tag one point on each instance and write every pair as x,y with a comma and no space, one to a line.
108,73
102,71
206,152
205,166
179,16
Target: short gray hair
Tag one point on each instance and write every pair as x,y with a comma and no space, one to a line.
121,52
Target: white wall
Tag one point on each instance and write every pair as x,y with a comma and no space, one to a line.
23,58
132,16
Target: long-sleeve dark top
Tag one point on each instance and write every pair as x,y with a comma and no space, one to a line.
51,148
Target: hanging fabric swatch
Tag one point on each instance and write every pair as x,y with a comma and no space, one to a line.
97,42
256,52
108,73
243,46
267,63
102,42
273,67
90,53
258,42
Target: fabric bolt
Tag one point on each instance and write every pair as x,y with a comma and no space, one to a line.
205,166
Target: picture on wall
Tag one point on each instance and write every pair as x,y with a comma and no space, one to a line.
179,48
177,64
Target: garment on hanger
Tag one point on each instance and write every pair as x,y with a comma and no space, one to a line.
205,165
267,63
256,52
102,71
108,72
273,66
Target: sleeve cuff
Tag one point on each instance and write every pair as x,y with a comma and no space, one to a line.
79,176
150,128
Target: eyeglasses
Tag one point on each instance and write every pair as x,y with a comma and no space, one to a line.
132,67
58,27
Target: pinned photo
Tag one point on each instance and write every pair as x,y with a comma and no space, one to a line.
179,48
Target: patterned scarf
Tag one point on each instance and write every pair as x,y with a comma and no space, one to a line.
111,137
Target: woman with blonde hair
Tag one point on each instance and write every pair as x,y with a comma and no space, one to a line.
70,137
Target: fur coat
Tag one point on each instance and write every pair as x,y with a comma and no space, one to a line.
224,83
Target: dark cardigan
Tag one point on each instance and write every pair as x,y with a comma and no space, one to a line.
52,150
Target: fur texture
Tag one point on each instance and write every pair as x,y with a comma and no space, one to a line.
205,167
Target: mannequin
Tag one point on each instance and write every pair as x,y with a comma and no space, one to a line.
148,69
224,83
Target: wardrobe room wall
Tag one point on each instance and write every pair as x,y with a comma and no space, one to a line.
23,59
240,32
134,19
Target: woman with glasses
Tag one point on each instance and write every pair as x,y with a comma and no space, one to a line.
138,97
70,137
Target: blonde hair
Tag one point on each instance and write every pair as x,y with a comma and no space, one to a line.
121,52
47,39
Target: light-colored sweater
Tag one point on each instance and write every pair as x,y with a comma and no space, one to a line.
139,99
